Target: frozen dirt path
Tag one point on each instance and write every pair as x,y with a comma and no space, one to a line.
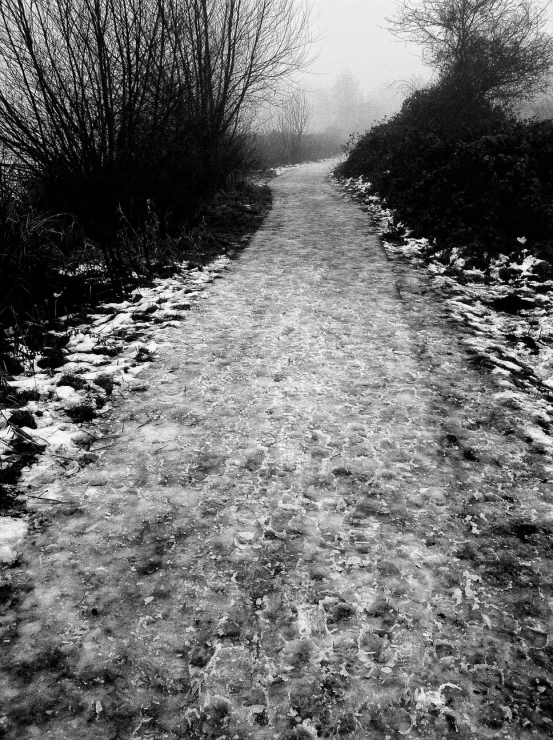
318,521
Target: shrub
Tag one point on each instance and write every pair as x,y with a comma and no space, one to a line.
479,185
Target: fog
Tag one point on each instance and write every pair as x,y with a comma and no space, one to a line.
357,58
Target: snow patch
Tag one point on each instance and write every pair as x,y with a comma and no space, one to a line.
12,533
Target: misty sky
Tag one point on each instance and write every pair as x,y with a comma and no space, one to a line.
353,36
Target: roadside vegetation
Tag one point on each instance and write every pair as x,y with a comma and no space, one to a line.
124,140
457,164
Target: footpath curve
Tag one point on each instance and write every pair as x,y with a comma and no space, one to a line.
318,521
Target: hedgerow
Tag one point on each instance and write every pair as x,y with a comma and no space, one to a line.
478,181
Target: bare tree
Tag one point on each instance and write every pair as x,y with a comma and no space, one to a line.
292,121
496,50
349,110
238,51
117,93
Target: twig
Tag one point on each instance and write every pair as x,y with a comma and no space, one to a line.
148,421
38,448
27,438
44,498
94,437
62,461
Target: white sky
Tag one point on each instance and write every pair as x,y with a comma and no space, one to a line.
352,36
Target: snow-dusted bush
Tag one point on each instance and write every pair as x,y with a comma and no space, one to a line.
479,182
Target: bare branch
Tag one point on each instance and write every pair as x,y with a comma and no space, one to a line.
498,49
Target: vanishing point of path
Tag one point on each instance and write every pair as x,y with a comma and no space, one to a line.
318,521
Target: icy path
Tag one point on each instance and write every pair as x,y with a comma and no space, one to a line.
317,522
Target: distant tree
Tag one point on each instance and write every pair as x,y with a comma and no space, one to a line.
347,97
292,121
350,111
494,50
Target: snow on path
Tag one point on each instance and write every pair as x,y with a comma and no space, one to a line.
317,521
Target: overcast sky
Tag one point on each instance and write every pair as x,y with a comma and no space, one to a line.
352,36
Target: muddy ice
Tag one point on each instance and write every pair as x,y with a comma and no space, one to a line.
317,520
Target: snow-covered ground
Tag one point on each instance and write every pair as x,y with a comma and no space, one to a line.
103,360
506,312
